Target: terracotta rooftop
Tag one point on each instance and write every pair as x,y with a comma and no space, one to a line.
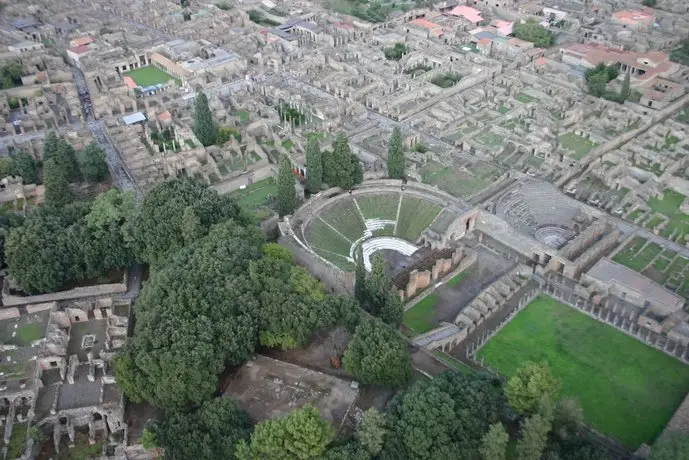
471,14
82,41
81,49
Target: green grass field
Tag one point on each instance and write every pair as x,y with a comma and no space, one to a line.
149,76
381,206
627,390
415,216
455,182
30,332
323,237
257,194
577,144
419,318
346,218
669,204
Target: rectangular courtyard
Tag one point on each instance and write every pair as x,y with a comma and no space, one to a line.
628,390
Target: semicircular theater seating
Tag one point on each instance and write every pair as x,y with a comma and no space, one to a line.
372,245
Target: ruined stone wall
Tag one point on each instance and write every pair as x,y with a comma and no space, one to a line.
420,279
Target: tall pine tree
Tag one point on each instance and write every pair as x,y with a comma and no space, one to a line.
204,126
314,165
50,145
360,277
396,154
625,91
382,299
57,192
287,196
67,157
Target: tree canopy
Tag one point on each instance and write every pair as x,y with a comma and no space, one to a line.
92,163
532,31
210,433
157,230
532,382
396,154
302,435
204,126
25,166
534,437
378,354
56,180
59,245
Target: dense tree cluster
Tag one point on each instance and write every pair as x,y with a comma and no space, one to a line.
215,291
56,246
671,446
681,53
11,75
376,293
21,164
92,163
303,434
396,154
526,389
378,354
597,80
159,230
532,31
210,432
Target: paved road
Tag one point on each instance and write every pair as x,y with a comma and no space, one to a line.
120,173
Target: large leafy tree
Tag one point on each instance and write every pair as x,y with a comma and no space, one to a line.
314,165
24,165
494,443
210,433
92,163
396,154
36,255
377,354
671,446
532,382
8,221
195,315
534,437
157,230
287,196
371,431
302,435
56,180
420,425
204,126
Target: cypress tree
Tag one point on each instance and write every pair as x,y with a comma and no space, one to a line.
625,91
314,165
360,277
396,154
287,196
67,157
204,126
57,192
50,145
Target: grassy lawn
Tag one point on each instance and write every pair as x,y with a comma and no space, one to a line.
635,214
636,258
455,280
577,144
525,98
415,216
382,206
490,139
257,194
455,182
243,116
149,76
669,204
287,144
346,218
324,238
15,448
627,390
29,333
419,318
654,221
453,363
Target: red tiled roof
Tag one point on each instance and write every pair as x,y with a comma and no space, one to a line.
81,49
